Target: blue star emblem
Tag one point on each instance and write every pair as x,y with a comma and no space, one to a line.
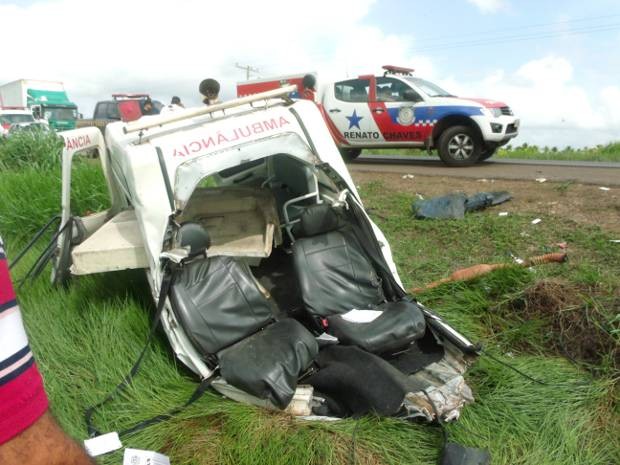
354,120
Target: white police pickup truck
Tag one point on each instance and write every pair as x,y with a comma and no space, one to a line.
400,110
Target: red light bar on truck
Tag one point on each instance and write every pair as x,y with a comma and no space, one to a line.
123,96
389,69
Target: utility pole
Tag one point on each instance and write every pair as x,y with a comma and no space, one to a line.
248,69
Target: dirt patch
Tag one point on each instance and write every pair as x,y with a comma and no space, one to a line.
585,204
576,327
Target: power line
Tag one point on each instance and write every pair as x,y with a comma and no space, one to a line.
525,26
248,69
501,38
521,37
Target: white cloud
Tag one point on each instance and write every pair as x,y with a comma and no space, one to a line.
166,48
554,109
489,6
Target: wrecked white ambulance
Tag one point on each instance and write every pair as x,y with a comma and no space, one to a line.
270,277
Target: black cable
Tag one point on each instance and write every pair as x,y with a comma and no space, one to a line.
33,241
515,369
44,258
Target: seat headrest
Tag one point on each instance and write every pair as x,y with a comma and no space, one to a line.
319,219
195,237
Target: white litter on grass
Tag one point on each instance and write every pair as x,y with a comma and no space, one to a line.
483,180
615,241
408,176
102,444
541,180
536,221
502,214
420,196
144,457
603,188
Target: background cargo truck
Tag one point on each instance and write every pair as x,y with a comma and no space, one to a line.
47,99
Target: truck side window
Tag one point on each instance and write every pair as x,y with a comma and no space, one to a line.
393,90
100,111
353,90
113,111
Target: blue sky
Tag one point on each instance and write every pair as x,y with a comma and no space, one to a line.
438,28
565,86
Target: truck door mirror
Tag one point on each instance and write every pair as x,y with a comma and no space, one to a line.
410,95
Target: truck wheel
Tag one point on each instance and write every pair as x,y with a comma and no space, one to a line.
487,153
459,146
350,154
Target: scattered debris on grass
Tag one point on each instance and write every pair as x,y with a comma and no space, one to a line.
603,188
408,176
536,221
472,272
457,204
541,180
503,214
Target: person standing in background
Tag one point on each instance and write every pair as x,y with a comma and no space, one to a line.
210,90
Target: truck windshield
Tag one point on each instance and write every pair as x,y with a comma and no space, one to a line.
60,114
12,119
429,88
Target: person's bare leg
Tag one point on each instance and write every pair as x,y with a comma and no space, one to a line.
43,443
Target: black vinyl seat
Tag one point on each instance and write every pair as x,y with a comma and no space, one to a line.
336,276
224,313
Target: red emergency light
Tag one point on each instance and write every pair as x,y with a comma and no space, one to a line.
389,69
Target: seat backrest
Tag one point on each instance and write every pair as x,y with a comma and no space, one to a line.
334,273
293,174
218,303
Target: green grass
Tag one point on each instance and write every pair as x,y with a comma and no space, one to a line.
87,337
602,153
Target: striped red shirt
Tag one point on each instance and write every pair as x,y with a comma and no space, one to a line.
22,397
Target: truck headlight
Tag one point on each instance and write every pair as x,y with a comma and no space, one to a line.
491,112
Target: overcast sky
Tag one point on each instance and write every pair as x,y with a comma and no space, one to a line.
556,63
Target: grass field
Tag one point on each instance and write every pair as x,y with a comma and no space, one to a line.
87,337
604,153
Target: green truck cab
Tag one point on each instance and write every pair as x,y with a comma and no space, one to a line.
46,99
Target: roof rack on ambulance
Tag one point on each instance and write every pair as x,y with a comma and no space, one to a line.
282,92
389,69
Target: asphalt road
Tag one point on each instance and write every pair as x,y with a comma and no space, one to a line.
599,173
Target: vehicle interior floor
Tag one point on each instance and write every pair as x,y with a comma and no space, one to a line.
276,274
